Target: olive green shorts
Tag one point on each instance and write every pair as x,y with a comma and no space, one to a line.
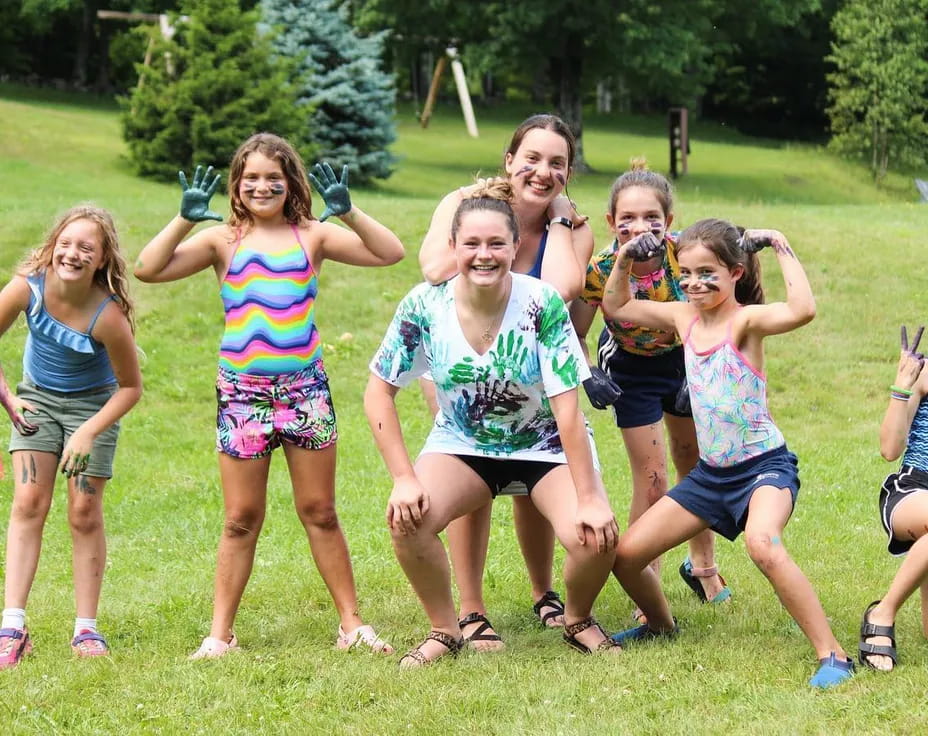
59,415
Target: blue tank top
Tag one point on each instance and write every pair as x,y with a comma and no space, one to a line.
536,267
916,450
58,357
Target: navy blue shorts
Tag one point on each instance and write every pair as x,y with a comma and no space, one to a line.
895,489
650,383
498,473
721,496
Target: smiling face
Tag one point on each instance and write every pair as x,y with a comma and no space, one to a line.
263,186
77,253
484,247
706,281
539,168
637,210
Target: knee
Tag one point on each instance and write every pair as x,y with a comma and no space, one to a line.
319,515
29,506
85,518
242,523
627,558
766,550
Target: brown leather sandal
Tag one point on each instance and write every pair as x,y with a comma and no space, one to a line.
418,659
571,631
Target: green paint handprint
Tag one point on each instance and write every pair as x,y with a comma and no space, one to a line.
462,372
194,202
334,192
510,353
567,371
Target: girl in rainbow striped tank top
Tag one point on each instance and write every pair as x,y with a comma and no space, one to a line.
271,386
746,479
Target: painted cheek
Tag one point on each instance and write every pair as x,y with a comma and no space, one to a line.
248,187
525,171
560,179
624,231
657,230
277,189
709,281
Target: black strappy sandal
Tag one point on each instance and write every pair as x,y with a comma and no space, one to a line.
484,632
571,631
865,649
449,642
552,601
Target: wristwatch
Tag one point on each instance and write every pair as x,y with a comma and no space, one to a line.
561,221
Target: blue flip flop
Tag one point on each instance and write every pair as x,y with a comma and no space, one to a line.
832,671
643,633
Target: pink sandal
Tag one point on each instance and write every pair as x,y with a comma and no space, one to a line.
213,648
89,643
362,637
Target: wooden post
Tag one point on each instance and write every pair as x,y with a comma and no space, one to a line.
460,82
433,91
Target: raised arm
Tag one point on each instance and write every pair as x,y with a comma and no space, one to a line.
165,258
367,243
595,521
618,304
600,389
906,394
113,331
799,307
567,250
436,259
409,501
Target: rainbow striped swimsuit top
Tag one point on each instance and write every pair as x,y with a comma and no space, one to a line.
269,300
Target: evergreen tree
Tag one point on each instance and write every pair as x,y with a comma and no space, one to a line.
338,75
878,90
208,89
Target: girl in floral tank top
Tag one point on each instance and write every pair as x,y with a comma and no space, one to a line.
746,479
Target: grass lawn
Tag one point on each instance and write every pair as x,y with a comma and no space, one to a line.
739,669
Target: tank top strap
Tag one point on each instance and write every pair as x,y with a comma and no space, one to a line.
96,315
296,234
689,329
536,266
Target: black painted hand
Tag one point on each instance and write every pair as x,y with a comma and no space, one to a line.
601,390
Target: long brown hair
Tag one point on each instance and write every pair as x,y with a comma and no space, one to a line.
112,276
490,195
298,205
544,122
639,175
722,238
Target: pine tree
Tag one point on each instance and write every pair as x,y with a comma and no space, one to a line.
338,75
879,88
212,86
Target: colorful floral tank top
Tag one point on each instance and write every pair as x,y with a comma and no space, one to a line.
729,400
269,300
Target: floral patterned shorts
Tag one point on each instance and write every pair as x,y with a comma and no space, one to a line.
256,413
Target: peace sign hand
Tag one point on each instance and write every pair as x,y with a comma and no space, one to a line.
334,192
910,361
194,202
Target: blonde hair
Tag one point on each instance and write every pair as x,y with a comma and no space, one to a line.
489,195
112,276
639,175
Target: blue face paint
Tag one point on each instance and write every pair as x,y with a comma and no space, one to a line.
277,188
525,171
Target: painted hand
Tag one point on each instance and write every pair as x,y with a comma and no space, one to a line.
596,524
194,202
16,409
601,390
76,453
334,192
910,361
644,247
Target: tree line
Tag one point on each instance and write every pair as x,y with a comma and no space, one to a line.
852,71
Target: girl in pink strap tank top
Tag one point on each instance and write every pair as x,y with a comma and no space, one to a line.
746,479
272,387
